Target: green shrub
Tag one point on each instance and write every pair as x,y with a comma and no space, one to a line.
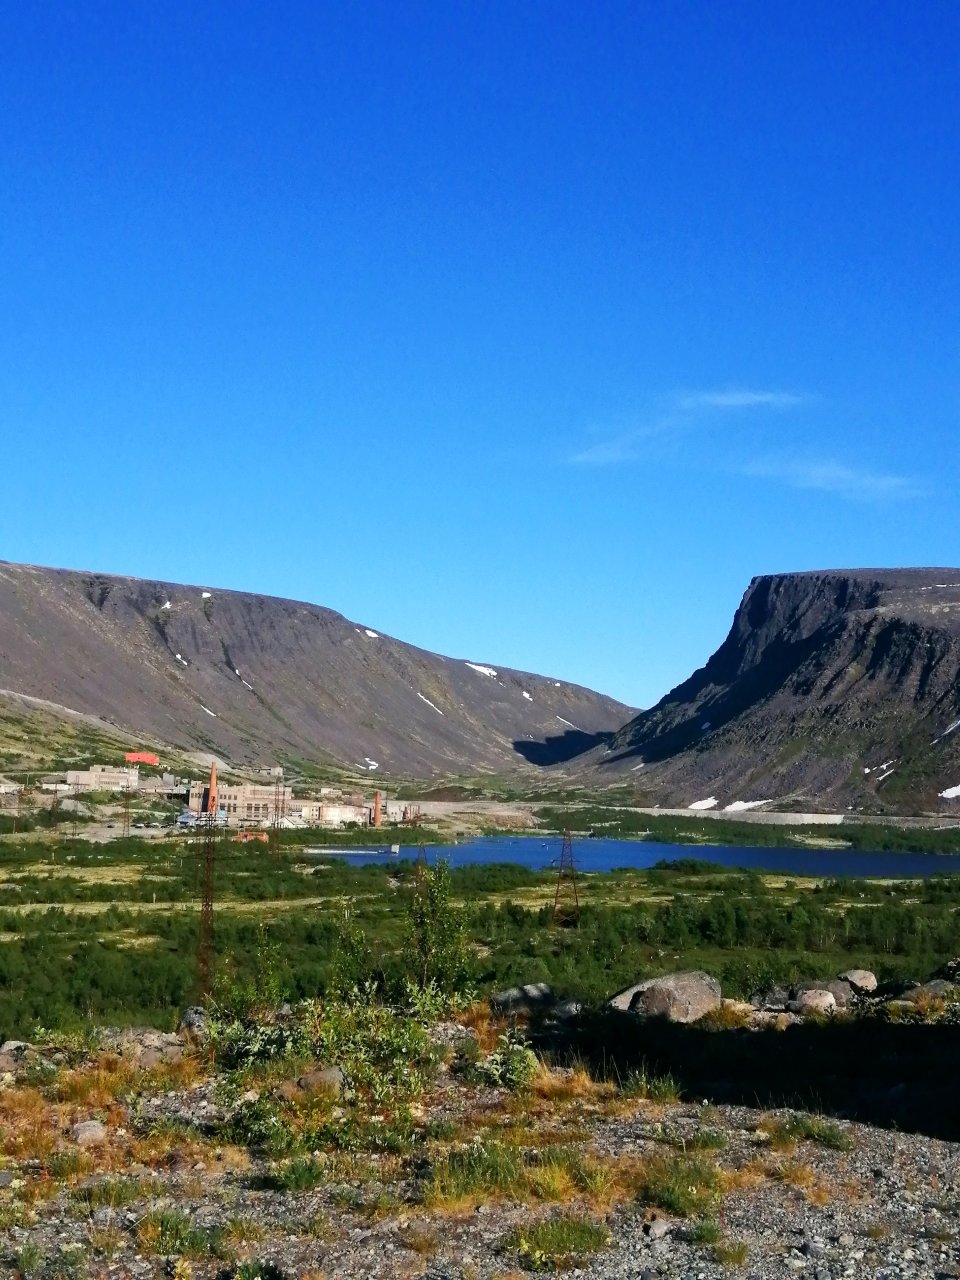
512,1064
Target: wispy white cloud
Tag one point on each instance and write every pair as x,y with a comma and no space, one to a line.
625,446
738,398
827,476
683,411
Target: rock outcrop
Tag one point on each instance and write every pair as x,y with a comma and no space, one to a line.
678,997
832,689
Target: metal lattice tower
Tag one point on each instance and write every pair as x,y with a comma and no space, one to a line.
126,811
207,856
76,809
16,821
566,900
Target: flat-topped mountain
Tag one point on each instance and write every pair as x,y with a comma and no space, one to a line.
832,689
257,679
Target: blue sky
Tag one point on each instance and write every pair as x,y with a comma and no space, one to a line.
525,332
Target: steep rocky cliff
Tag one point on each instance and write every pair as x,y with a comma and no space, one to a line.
257,679
832,689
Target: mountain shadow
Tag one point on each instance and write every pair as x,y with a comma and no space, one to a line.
556,750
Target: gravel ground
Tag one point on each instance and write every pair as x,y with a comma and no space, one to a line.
858,1203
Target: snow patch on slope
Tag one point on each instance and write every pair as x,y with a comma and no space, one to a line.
951,728
484,671
430,704
741,806
709,803
951,793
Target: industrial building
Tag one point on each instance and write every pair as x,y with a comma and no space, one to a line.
244,803
104,777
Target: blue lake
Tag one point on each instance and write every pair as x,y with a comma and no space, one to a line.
607,855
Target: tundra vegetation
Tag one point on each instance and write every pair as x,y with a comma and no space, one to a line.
108,931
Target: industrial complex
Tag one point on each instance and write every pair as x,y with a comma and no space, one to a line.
238,804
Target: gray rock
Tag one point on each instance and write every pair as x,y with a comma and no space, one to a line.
678,997
18,1049
841,990
528,999
328,1079
6,1177
937,988
193,1022
88,1133
568,1009
862,980
817,1000
774,1000
657,1228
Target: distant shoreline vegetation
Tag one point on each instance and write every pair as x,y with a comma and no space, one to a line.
623,824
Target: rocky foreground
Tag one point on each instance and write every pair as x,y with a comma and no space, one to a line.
418,1147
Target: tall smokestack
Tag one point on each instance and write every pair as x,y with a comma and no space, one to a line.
212,791
377,815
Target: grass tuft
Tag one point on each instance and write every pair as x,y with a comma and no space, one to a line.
557,1243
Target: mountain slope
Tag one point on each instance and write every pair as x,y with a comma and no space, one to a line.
257,679
832,688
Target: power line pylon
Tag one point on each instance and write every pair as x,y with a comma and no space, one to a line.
126,811
208,854
76,809
566,900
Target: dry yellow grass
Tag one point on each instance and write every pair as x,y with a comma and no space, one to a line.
484,1025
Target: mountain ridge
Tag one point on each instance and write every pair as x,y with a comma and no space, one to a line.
255,678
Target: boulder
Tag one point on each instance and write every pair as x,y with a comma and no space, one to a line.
862,980
326,1079
193,1022
814,1000
18,1049
937,988
567,1009
89,1133
775,998
528,999
841,990
678,997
